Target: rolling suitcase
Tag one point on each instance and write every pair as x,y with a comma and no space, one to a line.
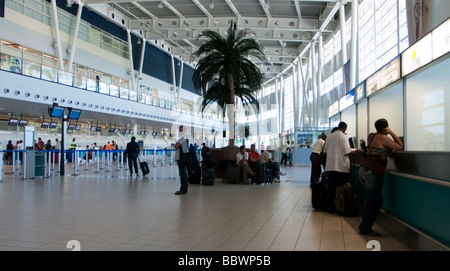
260,170
233,174
144,167
319,193
194,173
345,201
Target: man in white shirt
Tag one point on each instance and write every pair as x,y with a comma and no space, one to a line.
338,150
316,169
182,144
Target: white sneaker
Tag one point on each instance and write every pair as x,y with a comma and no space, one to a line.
283,173
275,180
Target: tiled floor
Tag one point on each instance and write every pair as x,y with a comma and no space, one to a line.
110,211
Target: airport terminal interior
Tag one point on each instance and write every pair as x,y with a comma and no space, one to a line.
81,79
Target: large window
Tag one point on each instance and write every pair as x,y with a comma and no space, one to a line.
382,33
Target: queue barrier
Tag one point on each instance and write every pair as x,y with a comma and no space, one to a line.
99,161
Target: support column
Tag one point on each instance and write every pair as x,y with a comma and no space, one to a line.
57,35
343,31
312,59
130,53
141,64
75,36
354,41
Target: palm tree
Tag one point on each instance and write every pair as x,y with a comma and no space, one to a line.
225,62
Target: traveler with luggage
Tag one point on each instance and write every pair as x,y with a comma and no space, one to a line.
373,164
337,150
182,148
132,152
316,168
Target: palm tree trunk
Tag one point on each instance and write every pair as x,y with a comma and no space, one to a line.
231,109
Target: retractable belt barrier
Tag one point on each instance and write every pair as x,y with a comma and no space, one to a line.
85,162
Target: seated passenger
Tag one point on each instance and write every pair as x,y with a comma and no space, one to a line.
241,161
274,166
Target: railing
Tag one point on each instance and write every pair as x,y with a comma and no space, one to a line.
33,69
81,161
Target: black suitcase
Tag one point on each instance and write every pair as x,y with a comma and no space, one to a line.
194,173
345,201
260,170
319,193
144,168
233,174
208,176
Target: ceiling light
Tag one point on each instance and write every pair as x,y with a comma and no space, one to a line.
160,5
211,5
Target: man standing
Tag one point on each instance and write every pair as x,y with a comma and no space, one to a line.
338,150
182,146
316,169
132,152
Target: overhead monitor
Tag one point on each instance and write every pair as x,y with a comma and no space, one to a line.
45,124
111,130
23,122
127,131
53,125
56,111
78,127
93,128
74,114
13,122
71,127
99,128
116,130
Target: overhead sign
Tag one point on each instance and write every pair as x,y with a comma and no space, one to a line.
333,109
347,101
390,72
417,55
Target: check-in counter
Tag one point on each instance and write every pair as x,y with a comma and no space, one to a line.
416,198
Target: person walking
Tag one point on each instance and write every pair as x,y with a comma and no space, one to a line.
284,156
132,152
373,164
182,148
337,150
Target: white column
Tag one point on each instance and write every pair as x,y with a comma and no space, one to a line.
343,30
354,41
75,36
141,64
57,35
130,52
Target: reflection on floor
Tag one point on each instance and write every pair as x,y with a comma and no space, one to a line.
109,210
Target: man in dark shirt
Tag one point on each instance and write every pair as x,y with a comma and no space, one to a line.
132,152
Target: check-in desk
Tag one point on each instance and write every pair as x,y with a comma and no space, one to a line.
416,198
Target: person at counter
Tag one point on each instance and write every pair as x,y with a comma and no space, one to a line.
315,158
373,164
337,150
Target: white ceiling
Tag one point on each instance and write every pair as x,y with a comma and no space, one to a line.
285,28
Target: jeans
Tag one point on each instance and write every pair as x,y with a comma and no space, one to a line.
335,179
373,185
182,170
